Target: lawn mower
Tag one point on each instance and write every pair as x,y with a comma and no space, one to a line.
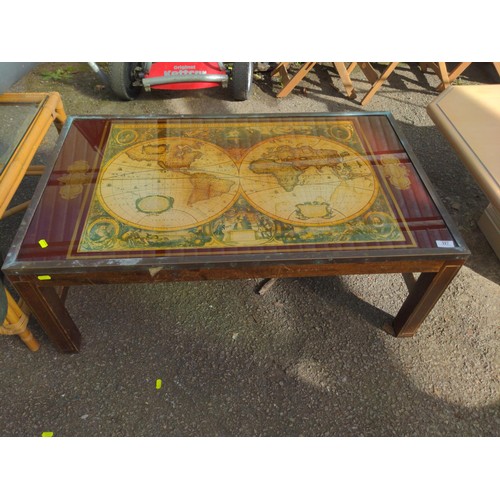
127,78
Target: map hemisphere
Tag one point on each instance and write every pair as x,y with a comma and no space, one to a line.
198,179
308,180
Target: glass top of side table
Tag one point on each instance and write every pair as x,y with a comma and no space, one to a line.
16,118
232,189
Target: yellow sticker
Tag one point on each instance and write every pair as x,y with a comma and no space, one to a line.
44,277
158,383
47,434
43,243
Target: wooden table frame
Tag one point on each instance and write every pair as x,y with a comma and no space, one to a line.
437,267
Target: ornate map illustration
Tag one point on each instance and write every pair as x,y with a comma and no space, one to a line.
222,185
307,180
168,184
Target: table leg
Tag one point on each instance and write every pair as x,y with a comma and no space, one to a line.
443,74
60,117
369,72
345,79
378,83
458,70
289,83
453,75
422,298
52,315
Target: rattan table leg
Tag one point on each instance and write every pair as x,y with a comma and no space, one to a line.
16,316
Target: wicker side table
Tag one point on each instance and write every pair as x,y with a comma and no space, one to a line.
30,116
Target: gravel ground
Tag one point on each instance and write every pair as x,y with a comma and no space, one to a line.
309,358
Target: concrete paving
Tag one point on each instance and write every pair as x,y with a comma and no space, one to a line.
308,358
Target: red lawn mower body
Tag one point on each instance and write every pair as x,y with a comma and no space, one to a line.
126,79
184,69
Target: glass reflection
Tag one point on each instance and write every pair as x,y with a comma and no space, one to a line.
232,186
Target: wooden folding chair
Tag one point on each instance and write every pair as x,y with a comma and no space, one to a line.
291,81
344,71
441,70
376,80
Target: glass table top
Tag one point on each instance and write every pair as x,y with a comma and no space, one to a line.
15,120
233,188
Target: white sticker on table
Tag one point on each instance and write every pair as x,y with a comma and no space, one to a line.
445,243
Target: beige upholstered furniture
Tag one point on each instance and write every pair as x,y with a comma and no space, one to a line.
469,117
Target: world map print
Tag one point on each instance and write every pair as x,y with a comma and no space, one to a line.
231,186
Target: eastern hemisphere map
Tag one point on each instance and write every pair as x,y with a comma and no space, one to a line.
218,185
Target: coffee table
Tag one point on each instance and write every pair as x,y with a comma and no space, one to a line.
151,199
